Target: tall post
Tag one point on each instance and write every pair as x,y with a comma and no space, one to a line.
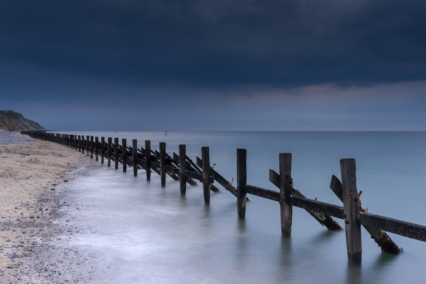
286,189
79,143
163,163
109,151
96,147
116,152
91,147
206,174
182,166
148,159
241,182
102,149
83,144
124,152
135,157
351,206
87,144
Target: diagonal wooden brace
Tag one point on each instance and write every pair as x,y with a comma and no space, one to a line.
323,219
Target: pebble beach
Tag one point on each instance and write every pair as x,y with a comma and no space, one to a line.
31,172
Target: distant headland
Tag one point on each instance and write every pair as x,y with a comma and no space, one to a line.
14,121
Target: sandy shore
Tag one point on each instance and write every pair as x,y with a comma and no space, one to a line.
29,202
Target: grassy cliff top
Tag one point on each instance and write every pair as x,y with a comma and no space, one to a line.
14,121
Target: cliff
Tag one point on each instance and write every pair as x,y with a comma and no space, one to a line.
13,121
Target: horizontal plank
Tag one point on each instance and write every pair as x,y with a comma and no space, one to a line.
262,192
318,206
406,229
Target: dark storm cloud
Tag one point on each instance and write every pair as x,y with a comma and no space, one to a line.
217,43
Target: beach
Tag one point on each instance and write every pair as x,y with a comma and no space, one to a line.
30,173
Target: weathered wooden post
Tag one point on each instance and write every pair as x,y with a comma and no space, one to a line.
182,166
351,206
148,159
116,152
83,144
206,174
96,147
124,157
135,157
91,147
79,143
109,151
241,182
286,189
102,149
163,163
87,144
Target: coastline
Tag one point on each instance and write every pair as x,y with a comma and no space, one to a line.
30,172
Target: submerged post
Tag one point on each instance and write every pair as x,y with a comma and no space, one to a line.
206,174
286,189
135,157
116,152
148,160
109,151
241,182
102,149
351,206
96,147
124,153
163,163
182,166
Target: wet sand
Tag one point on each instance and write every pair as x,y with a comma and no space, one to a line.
31,172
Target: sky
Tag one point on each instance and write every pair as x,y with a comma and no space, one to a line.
215,65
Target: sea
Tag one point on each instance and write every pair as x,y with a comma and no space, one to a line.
139,232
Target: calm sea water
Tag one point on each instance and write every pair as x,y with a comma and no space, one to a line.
141,233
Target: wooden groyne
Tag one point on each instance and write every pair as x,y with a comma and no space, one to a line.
183,169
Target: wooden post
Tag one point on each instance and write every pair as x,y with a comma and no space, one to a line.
285,193
124,152
109,151
116,152
83,144
102,149
79,143
135,157
96,147
206,174
87,144
91,147
351,205
241,182
182,166
163,163
380,237
148,159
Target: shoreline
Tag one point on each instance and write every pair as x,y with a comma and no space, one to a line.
31,171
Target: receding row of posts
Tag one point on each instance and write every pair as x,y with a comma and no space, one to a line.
181,167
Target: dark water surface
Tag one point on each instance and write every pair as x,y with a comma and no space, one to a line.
142,233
